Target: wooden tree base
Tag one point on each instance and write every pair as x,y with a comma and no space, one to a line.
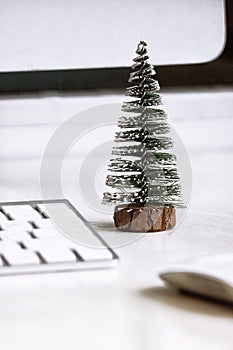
144,219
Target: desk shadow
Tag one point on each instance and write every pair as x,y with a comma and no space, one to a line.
188,302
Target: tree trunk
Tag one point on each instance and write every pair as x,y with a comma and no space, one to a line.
144,219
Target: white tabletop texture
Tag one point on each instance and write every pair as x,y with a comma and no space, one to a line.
127,308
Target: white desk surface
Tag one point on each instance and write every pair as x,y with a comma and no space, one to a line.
127,308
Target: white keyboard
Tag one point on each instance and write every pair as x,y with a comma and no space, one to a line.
33,239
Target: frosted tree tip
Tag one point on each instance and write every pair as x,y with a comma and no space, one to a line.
141,48
142,42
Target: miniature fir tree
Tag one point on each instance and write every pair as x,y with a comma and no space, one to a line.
143,172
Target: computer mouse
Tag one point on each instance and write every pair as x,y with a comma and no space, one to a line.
210,276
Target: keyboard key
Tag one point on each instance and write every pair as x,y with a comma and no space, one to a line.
15,225
21,257
60,243
47,242
10,249
14,235
57,254
45,232
54,210
21,212
9,246
93,254
43,223
78,231
3,220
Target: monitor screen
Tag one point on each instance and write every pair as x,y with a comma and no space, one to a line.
73,34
